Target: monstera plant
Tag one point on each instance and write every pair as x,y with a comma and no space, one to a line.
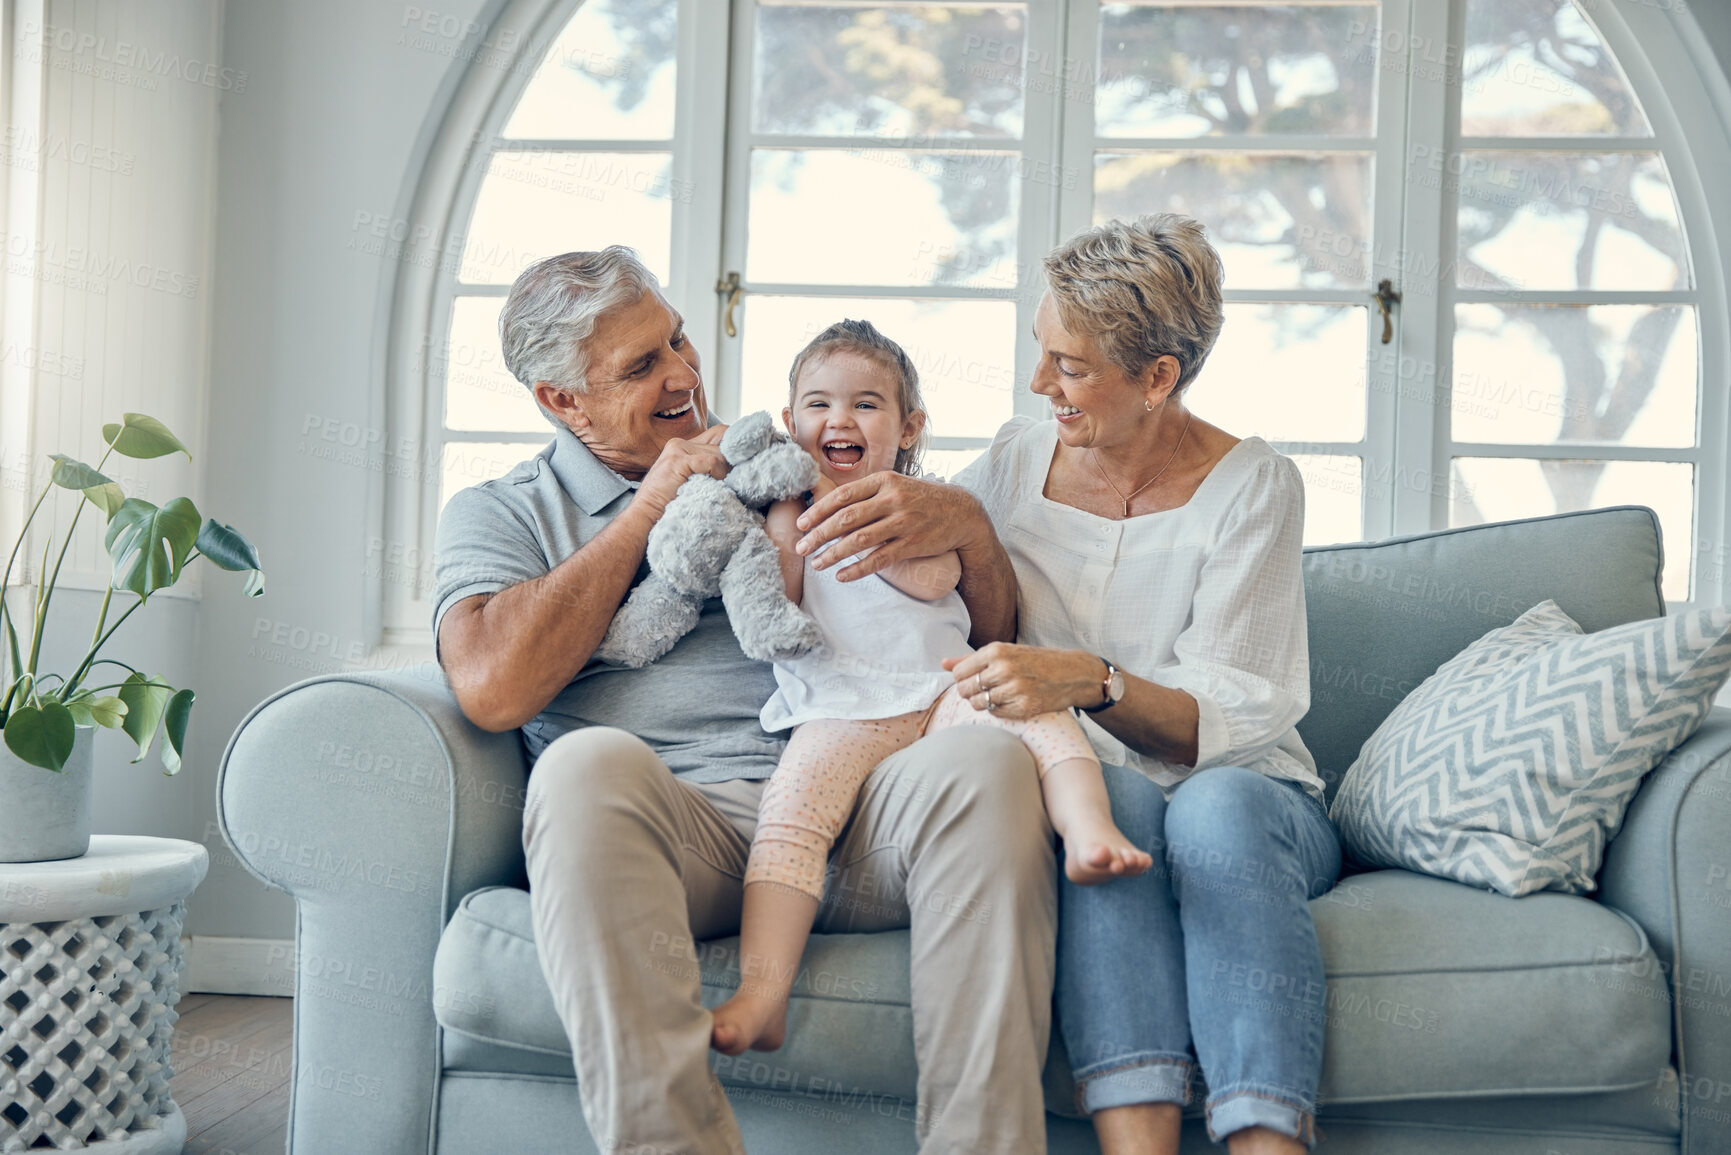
149,547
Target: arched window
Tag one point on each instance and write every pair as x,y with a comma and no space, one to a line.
1514,171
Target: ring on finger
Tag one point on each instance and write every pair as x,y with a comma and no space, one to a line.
988,699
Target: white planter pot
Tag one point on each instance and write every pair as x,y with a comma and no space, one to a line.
43,814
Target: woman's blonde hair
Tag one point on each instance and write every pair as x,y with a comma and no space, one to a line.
1143,288
863,338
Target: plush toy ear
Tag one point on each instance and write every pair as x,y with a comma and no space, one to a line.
747,437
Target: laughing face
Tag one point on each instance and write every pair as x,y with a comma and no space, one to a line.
1095,402
847,413
644,387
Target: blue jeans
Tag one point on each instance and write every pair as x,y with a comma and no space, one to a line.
1212,953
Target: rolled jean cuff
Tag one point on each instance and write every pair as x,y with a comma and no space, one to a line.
1147,1078
1242,1107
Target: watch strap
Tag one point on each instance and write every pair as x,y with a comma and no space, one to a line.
1106,698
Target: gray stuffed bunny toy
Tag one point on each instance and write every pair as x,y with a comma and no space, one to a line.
711,541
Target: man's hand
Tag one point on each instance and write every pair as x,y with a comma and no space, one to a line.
681,458
902,516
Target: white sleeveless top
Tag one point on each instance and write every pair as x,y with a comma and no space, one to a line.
882,653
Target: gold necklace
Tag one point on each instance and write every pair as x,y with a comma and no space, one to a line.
1093,456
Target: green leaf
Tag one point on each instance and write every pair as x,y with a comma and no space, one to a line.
103,492
149,545
224,545
70,474
141,436
42,735
89,710
107,498
146,699
174,729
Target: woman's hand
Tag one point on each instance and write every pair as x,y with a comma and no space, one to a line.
902,516
1022,681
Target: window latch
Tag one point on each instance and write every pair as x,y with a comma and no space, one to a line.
734,290
1386,300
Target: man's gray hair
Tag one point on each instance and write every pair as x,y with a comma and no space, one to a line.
550,315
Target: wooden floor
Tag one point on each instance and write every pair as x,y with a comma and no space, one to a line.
232,1059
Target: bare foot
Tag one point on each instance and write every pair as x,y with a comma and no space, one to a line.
1101,853
748,1020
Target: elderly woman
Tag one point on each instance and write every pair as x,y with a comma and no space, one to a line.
1160,594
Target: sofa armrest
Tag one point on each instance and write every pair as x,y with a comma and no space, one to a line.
1669,869
378,806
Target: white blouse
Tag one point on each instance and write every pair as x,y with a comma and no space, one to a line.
1207,598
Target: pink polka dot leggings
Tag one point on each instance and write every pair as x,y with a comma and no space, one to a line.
812,791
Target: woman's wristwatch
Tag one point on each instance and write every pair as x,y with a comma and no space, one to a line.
1111,689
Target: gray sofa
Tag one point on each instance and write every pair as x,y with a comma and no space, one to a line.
1459,1020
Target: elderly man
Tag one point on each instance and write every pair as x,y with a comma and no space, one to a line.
645,786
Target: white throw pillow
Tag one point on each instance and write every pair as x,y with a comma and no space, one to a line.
1511,766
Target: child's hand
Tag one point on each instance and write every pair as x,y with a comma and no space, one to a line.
823,488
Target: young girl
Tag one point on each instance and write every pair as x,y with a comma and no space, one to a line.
875,686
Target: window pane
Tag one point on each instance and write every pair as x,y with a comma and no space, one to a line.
879,216
479,392
1333,497
1551,220
1539,68
1285,373
535,204
609,76
1499,489
1279,222
467,463
965,352
847,69
1203,70
1539,375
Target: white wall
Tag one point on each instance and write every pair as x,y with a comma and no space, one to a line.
321,138
1714,18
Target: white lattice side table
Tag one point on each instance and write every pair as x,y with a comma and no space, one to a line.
90,962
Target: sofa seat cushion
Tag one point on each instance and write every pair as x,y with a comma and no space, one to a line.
1438,990
849,1027
1435,990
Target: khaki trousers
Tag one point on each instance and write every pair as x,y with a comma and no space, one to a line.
628,866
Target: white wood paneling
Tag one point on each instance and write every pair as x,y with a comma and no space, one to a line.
121,162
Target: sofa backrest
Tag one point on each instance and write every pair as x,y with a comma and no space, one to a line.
1384,615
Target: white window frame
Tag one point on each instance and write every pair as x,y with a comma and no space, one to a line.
1038,207
1423,432
1661,51
462,132
1386,148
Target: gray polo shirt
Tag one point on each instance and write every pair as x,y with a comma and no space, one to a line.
697,707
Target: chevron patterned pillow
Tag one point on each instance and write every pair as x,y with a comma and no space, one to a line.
1510,767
